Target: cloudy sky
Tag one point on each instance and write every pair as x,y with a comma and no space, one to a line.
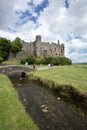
64,20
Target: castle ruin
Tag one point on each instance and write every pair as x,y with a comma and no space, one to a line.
41,49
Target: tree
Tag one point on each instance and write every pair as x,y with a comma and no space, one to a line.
16,45
5,46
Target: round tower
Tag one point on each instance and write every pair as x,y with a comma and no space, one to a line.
38,38
58,42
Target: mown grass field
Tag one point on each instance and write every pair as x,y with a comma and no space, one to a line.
12,62
12,113
75,75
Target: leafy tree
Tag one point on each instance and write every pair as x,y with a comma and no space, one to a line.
16,45
5,46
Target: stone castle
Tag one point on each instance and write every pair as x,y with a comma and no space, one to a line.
41,49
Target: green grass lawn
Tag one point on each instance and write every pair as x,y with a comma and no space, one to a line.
12,113
75,75
11,62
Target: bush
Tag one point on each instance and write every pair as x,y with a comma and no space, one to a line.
1,59
31,59
23,61
63,61
56,61
38,61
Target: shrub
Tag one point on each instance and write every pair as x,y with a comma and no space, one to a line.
1,59
63,61
23,61
56,61
38,61
31,59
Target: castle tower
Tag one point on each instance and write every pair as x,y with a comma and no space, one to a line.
62,49
37,46
38,38
58,42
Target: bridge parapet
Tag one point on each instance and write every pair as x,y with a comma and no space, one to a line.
12,69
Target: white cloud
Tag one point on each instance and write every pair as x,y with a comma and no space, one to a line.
37,2
8,35
77,50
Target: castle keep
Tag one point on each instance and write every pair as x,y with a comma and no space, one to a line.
43,49
40,49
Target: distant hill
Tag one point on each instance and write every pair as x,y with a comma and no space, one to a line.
84,63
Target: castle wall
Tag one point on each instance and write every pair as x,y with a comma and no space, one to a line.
44,49
40,49
28,47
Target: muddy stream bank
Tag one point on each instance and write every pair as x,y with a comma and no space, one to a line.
48,111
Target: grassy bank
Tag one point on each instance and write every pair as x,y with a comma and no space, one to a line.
11,62
75,76
12,113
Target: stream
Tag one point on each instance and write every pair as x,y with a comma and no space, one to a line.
48,111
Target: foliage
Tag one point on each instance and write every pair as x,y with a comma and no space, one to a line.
63,61
31,59
46,60
16,45
55,61
1,59
38,61
12,114
23,61
5,46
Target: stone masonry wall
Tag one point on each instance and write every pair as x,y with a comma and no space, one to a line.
40,49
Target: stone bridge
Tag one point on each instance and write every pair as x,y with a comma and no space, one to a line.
14,69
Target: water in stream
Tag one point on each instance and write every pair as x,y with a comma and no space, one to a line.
59,114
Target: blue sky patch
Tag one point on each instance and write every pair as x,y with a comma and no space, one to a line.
83,51
41,6
69,37
78,37
67,3
71,50
72,36
25,16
